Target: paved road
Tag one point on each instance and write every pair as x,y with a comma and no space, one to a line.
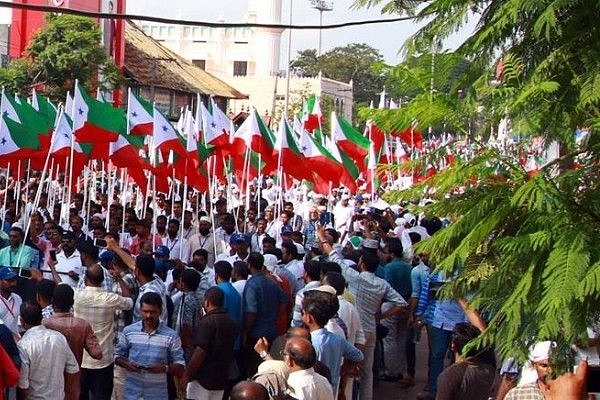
392,390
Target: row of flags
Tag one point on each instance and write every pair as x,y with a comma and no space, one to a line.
204,143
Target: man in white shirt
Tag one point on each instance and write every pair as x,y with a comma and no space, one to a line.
68,261
47,361
203,240
178,247
10,302
300,357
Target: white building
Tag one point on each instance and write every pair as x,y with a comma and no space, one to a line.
248,59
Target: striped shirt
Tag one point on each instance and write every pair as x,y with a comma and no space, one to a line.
370,292
162,346
97,306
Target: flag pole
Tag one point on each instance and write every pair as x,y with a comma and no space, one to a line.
38,194
5,193
68,202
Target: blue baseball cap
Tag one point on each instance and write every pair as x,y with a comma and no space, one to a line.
237,238
7,274
162,251
286,229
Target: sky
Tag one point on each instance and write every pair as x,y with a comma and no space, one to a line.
386,37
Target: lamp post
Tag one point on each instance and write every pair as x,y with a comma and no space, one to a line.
321,5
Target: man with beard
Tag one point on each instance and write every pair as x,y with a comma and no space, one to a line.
68,261
148,350
203,240
539,360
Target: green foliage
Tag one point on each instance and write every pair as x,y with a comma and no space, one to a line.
15,77
356,62
67,48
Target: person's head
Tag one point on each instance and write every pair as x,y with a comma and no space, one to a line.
31,314
240,271
94,275
289,252
336,281
395,248
142,227
256,262
161,224
238,243
299,354
76,223
63,298
228,223
269,213
15,237
317,309
173,228
223,271
261,226
213,298
269,243
251,214
248,390
150,309
144,267
187,218
190,280
462,334
200,256
177,209
288,206
8,281
312,271
88,253
68,242
44,290
368,262
539,356
204,225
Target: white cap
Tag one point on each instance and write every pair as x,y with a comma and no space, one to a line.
270,262
327,289
205,218
541,351
300,248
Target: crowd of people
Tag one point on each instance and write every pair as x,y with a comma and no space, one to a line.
293,297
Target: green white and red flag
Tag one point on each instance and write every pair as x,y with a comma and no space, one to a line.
253,134
312,118
93,120
217,127
164,136
348,139
140,115
287,152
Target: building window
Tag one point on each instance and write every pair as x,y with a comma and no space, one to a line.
200,64
240,68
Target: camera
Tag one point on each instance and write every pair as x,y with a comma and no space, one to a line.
100,242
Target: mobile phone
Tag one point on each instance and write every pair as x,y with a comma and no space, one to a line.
52,254
25,273
323,219
100,242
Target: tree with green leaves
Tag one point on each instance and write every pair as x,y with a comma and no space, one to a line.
356,62
67,48
525,247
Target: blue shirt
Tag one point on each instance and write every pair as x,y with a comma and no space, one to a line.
162,346
263,298
397,273
447,313
233,306
330,349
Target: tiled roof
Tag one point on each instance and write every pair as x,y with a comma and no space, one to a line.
149,62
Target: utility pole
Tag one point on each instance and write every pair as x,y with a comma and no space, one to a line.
321,5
